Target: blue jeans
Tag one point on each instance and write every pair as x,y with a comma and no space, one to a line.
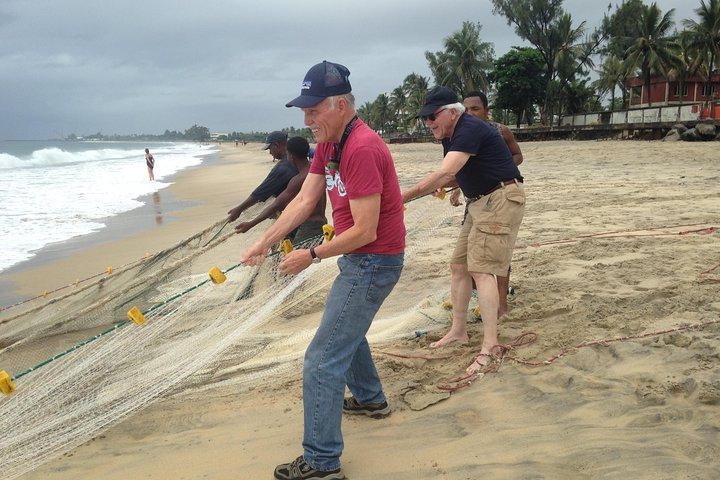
339,353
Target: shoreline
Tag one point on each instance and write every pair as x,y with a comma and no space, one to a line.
165,218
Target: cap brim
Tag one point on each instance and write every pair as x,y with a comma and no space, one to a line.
305,101
266,146
427,110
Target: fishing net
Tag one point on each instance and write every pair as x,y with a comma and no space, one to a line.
80,365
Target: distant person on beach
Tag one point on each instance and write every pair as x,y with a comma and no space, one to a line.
476,104
297,153
150,162
477,159
354,165
276,181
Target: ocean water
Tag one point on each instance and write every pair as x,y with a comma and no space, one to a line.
54,191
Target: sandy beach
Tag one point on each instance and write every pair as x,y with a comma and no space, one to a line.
612,369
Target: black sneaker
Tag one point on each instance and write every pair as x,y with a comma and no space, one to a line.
299,470
372,410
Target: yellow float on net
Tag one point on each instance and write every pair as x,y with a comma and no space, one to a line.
216,275
286,246
6,385
328,232
109,270
136,316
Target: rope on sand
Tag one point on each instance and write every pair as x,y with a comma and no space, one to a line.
502,352
704,276
625,233
605,341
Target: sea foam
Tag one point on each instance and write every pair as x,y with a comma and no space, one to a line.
53,194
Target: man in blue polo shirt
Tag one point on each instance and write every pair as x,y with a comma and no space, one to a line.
477,160
276,181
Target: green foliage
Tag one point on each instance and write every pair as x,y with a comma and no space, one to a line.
519,81
564,49
534,21
654,50
462,66
703,37
622,28
197,133
464,63
390,114
613,75
579,97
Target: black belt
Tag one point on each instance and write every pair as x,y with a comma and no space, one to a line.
496,187
469,200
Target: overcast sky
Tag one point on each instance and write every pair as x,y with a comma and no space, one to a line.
143,66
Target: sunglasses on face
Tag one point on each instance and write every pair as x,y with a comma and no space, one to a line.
432,116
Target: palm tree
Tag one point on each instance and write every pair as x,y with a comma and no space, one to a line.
613,74
415,83
365,112
704,37
463,65
569,56
654,50
398,104
440,66
382,112
689,62
415,87
607,82
546,26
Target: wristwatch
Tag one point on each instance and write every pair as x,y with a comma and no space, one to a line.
315,258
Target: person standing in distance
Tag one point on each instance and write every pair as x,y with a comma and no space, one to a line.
354,165
150,162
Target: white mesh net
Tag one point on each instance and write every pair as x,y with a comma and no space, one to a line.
100,367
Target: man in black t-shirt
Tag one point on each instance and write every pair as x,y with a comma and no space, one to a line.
476,104
276,181
477,159
297,149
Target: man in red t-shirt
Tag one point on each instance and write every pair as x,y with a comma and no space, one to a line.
354,165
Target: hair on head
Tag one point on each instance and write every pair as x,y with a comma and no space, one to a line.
298,146
479,94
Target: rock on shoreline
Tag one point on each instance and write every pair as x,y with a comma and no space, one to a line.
702,132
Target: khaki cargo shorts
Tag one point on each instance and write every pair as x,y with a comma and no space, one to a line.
487,237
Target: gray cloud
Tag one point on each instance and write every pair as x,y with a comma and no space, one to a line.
133,66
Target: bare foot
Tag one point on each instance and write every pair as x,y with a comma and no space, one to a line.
479,364
449,338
